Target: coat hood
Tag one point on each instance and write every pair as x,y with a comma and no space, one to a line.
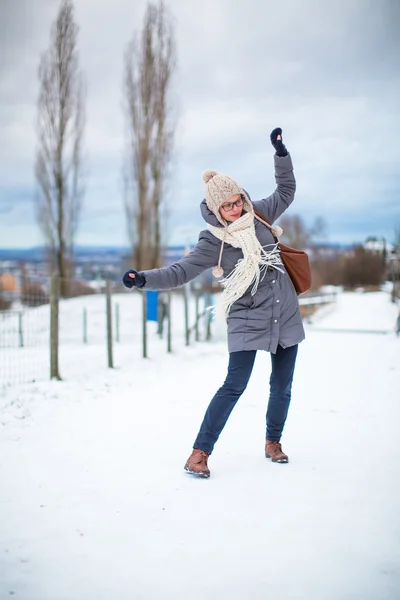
208,215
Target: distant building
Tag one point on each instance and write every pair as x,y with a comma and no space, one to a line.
378,245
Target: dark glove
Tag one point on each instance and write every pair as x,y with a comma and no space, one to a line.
138,281
278,144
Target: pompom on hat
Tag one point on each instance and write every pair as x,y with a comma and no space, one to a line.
208,174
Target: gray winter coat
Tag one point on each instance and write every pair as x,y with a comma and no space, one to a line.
272,315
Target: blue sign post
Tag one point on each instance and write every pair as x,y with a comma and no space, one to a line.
152,306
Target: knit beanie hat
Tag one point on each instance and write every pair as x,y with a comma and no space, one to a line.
219,188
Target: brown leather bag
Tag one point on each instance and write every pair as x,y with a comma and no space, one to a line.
295,261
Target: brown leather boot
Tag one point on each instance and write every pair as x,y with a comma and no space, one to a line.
273,450
196,464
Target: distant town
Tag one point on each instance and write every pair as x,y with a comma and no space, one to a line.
94,265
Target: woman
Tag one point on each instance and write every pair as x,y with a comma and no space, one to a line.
258,298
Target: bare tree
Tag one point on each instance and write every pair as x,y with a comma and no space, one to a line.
297,234
60,125
149,65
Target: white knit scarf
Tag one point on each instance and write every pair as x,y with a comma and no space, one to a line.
248,270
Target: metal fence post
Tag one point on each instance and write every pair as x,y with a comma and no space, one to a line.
208,313
144,324
20,331
186,304
84,326
197,317
109,326
54,326
169,340
160,324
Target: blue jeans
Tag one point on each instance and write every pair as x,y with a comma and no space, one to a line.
239,371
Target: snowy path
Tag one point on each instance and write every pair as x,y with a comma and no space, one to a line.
94,503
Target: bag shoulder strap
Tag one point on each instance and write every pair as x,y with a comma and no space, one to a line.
264,220
261,216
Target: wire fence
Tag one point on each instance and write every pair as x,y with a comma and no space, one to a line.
43,335
24,335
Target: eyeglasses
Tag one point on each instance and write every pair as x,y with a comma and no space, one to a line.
229,205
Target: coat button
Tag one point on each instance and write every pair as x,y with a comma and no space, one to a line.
278,300
275,320
273,281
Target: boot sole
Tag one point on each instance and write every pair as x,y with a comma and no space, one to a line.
200,475
283,461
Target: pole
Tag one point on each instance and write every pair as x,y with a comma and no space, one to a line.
20,331
169,332
109,325
208,313
186,303
117,322
84,326
144,324
393,277
197,317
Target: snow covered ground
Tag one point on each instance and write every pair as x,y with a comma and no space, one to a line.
94,503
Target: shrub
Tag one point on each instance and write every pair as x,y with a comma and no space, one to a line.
5,304
352,269
79,288
32,294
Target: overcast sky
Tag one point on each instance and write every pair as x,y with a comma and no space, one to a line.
326,72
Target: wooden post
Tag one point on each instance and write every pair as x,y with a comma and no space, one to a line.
169,340
117,322
20,331
84,326
54,326
144,324
109,326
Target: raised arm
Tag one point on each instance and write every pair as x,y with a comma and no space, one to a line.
203,256
276,204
